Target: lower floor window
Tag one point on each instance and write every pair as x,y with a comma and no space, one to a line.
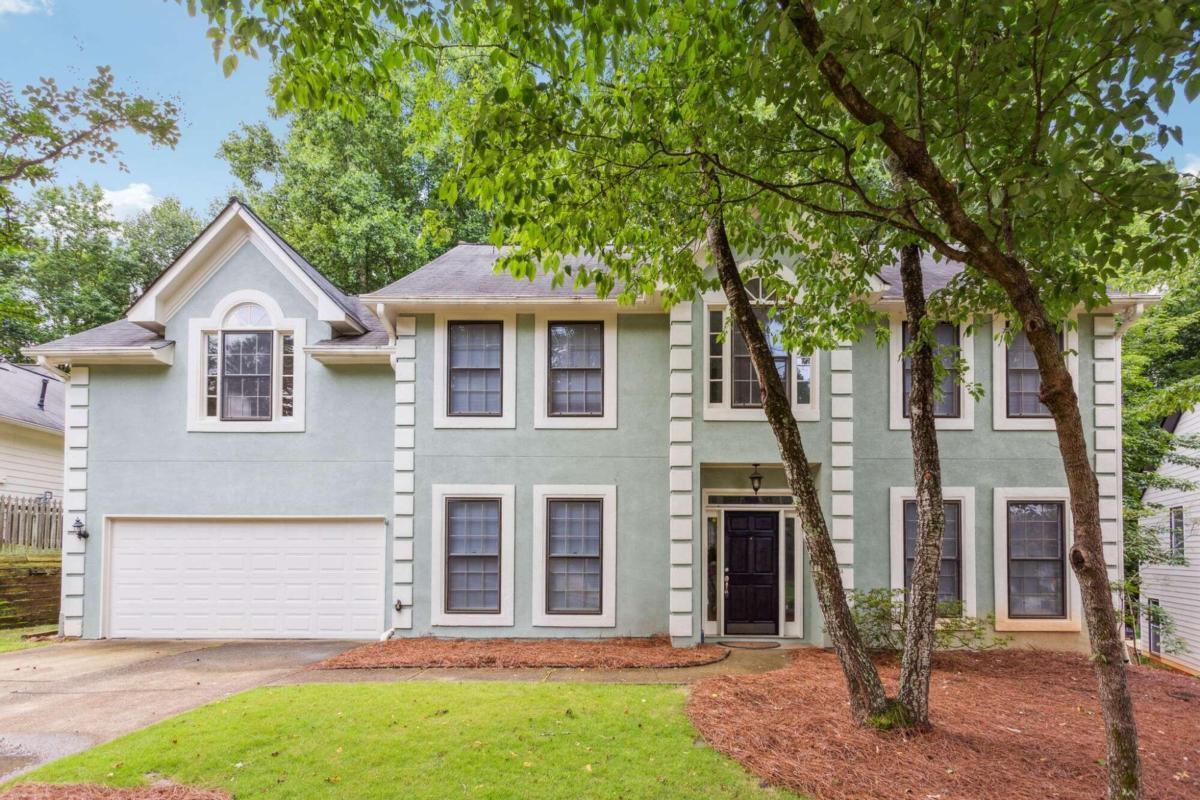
1154,626
950,575
573,554
1036,559
473,555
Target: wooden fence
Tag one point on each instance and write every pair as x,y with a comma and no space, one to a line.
30,523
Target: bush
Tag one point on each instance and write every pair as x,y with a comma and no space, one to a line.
879,614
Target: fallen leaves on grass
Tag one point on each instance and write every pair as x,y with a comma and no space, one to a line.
91,791
620,653
1009,725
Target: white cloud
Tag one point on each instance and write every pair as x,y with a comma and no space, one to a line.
130,201
24,6
1191,164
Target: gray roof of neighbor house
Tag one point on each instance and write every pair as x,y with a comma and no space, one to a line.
935,274
468,270
21,392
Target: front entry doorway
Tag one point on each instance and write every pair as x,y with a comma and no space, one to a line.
752,573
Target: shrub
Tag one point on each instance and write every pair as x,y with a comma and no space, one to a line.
879,614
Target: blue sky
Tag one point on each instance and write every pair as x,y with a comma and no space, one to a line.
154,47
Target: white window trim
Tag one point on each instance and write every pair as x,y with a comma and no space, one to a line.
1001,421
724,411
898,422
965,496
1000,501
541,415
506,493
607,618
508,370
198,328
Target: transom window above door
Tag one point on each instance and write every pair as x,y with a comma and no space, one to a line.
731,383
244,371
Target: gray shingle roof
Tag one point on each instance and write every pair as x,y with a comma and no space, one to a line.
20,389
467,270
376,335
121,333
935,275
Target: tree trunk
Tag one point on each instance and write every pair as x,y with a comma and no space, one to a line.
867,697
1058,394
922,600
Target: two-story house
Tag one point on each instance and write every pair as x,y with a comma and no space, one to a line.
252,453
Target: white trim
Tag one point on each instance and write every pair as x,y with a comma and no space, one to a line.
508,369
965,496
724,411
350,355
965,421
438,614
542,419
142,354
197,421
607,618
1000,501
1000,419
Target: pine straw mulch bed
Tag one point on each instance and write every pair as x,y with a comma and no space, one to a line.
1016,725
91,791
622,653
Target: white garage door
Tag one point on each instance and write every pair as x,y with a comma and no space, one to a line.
246,578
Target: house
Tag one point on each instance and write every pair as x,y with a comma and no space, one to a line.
253,454
1175,587
31,431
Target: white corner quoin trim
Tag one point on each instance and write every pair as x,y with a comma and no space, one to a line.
508,369
965,421
438,613
607,617
198,327
541,416
965,496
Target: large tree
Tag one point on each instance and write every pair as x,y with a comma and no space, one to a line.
1026,132
359,197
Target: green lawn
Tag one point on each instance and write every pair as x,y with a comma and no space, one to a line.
427,740
10,638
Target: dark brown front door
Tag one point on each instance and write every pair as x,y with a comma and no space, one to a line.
752,572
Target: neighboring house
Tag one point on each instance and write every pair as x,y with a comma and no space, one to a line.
1176,587
31,431
464,454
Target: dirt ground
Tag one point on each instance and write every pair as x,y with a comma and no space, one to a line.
86,791
625,653
1010,725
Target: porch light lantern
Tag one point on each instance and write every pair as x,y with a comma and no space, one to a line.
78,529
756,480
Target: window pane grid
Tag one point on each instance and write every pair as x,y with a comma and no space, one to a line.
576,369
212,374
1024,382
287,381
947,401
246,375
1176,538
746,392
474,357
1036,560
950,573
716,357
573,556
473,555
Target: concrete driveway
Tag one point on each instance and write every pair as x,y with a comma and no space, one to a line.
63,698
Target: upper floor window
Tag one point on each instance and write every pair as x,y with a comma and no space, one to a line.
947,402
1176,538
244,373
1017,383
575,372
474,383
732,390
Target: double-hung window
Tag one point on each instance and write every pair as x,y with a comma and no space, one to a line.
246,374
1017,382
948,400
574,569
575,369
472,565
746,392
1176,533
1037,566
474,361
950,579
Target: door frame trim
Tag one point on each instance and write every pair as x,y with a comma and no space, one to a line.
787,630
107,520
